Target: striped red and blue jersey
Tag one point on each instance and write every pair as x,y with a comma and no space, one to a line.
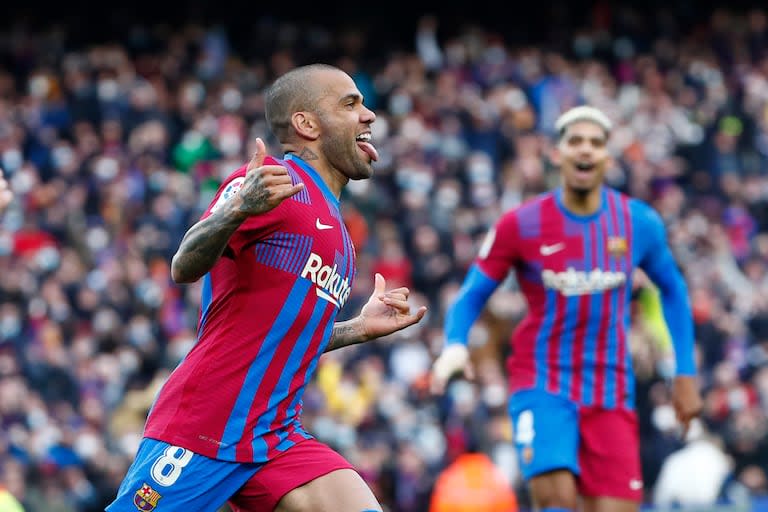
575,273
267,313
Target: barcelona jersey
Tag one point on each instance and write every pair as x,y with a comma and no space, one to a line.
267,313
576,275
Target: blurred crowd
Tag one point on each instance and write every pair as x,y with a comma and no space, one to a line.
114,148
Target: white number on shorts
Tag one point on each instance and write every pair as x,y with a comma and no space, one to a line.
167,468
524,431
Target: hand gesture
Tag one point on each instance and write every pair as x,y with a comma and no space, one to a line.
387,311
686,400
453,360
265,186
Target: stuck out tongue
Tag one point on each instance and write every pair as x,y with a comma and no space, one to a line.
369,149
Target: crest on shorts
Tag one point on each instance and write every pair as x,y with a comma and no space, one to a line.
232,188
617,246
146,498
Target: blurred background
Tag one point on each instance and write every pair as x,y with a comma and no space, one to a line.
118,122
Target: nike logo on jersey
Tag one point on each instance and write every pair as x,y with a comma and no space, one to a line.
635,484
319,225
548,250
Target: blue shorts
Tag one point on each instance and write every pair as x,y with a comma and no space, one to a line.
179,480
546,432
600,446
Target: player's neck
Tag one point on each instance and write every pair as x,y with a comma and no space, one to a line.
581,202
333,179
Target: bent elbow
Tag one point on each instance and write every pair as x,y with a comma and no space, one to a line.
179,276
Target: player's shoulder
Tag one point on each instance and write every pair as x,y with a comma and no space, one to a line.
241,171
642,210
234,181
532,206
645,218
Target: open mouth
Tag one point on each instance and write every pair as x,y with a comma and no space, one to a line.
584,166
364,142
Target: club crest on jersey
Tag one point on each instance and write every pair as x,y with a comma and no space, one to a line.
146,498
617,246
329,284
232,188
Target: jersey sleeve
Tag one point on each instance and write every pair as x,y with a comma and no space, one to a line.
499,251
256,227
656,259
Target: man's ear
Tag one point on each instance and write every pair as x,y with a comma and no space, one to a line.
305,125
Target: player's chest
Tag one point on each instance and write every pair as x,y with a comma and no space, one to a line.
309,243
580,246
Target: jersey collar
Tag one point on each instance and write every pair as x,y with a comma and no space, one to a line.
315,178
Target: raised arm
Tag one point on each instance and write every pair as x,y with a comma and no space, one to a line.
204,243
262,189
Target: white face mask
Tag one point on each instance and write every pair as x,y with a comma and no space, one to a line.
230,144
62,156
231,99
193,94
10,326
12,160
106,168
108,89
39,86
400,104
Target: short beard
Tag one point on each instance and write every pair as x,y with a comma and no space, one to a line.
355,166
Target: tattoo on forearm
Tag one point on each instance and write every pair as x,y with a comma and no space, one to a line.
307,154
202,246
344,334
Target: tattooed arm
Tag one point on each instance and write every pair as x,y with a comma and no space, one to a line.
203,244
350,332
385,312
264,187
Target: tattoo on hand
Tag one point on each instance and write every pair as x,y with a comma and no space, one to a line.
254,198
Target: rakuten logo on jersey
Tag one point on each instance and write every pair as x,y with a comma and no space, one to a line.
577,282
329,284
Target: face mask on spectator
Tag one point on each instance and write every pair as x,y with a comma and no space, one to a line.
62,156
108,90
12,160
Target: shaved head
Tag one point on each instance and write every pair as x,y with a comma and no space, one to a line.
294,91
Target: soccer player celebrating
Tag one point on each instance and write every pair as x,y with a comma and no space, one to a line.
277,265
574,250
